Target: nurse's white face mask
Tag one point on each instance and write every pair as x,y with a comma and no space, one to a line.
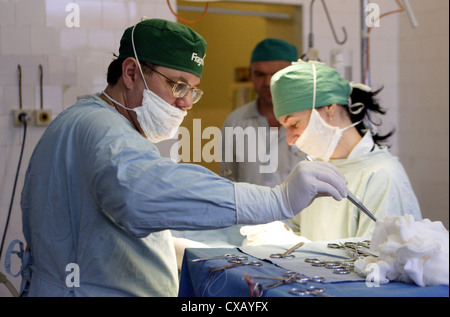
158,119
319,139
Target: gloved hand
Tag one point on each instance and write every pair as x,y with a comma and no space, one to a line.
309,180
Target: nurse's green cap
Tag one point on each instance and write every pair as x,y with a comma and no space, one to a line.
165,43
272,49
292,88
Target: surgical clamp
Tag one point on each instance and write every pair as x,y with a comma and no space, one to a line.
234,263
287,254
310,290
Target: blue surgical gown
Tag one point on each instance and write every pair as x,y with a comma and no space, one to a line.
99,195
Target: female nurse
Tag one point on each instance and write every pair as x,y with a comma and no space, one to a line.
330,119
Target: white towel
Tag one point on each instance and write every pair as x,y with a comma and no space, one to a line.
409,251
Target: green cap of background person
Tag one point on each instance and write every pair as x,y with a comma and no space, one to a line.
165,43
292,88
272,49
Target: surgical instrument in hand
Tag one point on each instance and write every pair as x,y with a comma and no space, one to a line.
350,196
287,254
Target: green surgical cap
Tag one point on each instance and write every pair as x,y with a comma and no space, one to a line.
165,43
274,50
292,88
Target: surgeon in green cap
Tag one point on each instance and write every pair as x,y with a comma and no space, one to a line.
330,119
98,197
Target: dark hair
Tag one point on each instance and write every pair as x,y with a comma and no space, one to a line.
371,106
115,70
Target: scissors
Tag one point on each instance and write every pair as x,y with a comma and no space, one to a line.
287,253
351,196
234,263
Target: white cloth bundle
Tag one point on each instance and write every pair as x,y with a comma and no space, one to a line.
274,233
409,251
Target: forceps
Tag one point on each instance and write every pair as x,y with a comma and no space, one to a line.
233,263
351,196
287,253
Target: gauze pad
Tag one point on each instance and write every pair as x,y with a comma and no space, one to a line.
409,251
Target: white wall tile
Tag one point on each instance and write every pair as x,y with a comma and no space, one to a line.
7,13
30,12
115,15
45,41
74,40
15,40
90,13
56,13
62,70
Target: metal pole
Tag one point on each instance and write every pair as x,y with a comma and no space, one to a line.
365,70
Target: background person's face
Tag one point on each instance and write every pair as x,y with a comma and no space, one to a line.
261,73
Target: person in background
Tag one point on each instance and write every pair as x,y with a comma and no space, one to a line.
268,56
98,197
330,119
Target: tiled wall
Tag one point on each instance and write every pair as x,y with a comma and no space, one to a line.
74,61
423,102
412,65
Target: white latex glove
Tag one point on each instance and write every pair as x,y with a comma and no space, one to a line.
309,180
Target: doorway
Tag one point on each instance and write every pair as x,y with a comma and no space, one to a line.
231,31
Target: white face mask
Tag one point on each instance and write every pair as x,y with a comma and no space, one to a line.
158,119
319,139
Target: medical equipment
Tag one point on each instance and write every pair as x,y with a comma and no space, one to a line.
351,196
287,254
338,266
313,53
354,248
288,277
234,263
345,266
310,290
228,256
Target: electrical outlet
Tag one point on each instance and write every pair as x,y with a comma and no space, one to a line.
28,116
42,117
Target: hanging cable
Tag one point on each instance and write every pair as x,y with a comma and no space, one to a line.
188,21
23,119
3,279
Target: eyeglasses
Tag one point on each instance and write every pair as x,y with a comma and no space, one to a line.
181,89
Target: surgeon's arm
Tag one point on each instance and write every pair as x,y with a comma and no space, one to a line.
306,182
